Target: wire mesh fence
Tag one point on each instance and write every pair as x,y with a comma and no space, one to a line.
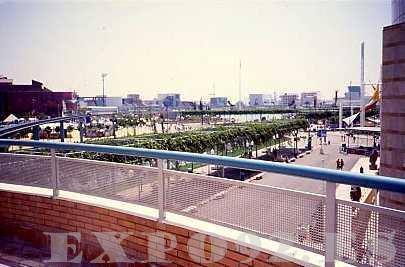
291,216
366,235
130,183
26,170
370,235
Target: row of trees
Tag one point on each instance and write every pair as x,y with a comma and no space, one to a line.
236,136
258,111
219,140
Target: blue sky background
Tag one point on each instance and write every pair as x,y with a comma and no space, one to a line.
154,46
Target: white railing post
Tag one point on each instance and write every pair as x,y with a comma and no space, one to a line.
330,225
55,172
161,190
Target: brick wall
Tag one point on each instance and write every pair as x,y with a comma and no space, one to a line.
28,217
393,111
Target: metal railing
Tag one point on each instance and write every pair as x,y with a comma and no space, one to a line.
25,125
356,233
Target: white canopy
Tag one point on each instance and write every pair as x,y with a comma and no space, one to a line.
350,120
10,118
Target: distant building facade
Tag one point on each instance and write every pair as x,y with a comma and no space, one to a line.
154,104
33,99
310,99
218,102
133,100
352,97
114,101
398,11
169,100
288,100
353,93
260,100
188,105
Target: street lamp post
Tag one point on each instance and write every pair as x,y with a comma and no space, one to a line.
296,143
103,75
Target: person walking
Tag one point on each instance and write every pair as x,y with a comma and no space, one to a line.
338,164
342,164
355,193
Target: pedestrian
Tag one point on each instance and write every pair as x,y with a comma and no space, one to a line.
338,164
355,193
342,164
361,169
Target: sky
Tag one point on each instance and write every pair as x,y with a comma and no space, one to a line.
192,47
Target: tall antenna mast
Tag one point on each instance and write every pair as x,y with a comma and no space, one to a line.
213,90
240,83
103,75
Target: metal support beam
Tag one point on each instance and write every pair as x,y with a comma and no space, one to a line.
161,190
62,132
330,225
35,133
55,173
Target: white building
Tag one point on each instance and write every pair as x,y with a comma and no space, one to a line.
260,100
352,97
115,101
288,100
310,99
154,103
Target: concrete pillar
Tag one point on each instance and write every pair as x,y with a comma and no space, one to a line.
35,132
62,132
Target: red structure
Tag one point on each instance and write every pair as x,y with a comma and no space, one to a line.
32,99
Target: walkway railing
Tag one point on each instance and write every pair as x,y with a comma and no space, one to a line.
353,232
12,129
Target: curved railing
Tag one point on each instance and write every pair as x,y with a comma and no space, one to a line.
327,175
18,127
339,229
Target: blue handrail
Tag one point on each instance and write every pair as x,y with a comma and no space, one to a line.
371,181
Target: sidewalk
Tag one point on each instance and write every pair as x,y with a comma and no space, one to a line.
343,190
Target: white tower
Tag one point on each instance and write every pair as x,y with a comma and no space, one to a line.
362,91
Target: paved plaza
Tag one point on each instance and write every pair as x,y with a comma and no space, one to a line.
315,159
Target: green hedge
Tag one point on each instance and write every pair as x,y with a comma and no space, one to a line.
202,141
